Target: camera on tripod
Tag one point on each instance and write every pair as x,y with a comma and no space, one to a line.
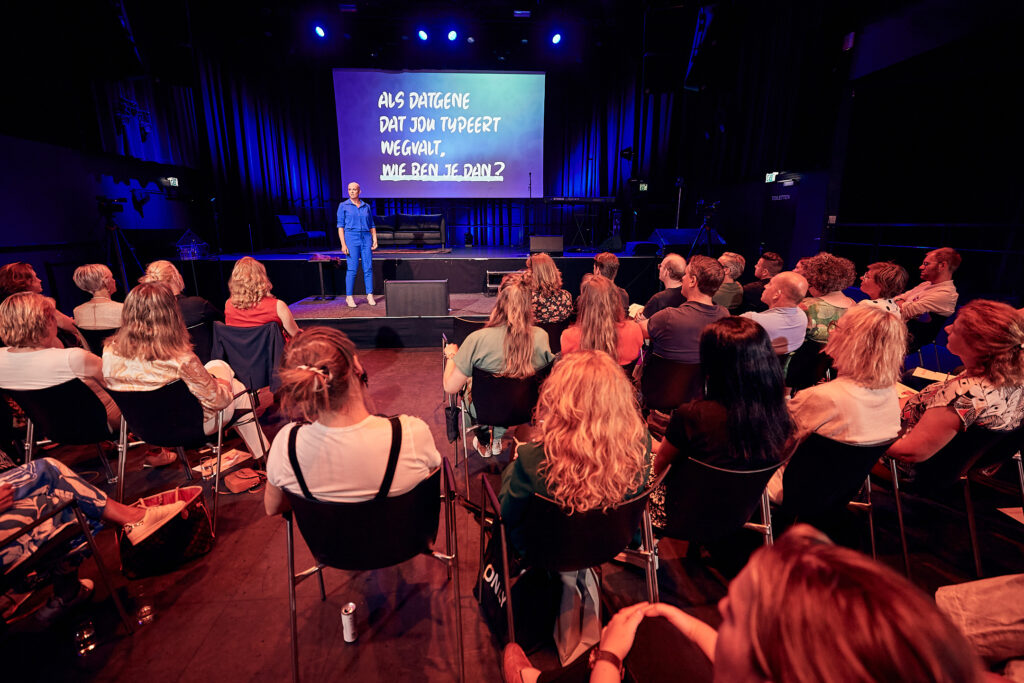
110,205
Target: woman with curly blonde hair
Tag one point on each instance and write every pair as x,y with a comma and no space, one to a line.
602,325
593,448
250,304
551,303
827,277
194,309
509,346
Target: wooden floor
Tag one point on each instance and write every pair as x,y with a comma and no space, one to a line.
224,617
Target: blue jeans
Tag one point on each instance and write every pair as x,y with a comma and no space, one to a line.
358,244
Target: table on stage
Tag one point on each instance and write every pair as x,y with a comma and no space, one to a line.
584,211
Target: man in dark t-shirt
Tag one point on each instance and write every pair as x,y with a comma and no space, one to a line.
675,332
670,272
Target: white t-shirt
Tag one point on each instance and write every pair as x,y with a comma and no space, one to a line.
347,464
847,412
45,368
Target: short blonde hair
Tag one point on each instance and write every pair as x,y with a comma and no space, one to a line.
91,277
164,271
25,319
545,277
249,283
594,440
733,263
868,346
151,325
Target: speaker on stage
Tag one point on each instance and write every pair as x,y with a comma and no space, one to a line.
550,244
613,243
411,298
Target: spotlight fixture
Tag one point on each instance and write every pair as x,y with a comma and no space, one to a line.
471,40
556,39
452,35
521,13
422,34
319,31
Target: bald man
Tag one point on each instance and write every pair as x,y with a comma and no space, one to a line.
670,272
784,322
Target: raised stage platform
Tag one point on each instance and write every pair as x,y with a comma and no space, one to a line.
296,280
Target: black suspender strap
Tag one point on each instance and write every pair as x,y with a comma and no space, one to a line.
396,445
295,463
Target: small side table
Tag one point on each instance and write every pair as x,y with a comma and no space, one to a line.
320,260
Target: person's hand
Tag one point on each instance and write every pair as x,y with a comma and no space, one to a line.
450,350
693,628
6,495
617,637
344,249
374,245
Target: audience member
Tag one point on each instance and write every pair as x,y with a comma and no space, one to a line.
730,292
250,304
344,450
802,610
936,293
881,282
769,265
100,312
670,272
592,450
988,336
784,322
194,309
509,345
606,264
151,349
550,303
675,332
21,277
827,277
601,324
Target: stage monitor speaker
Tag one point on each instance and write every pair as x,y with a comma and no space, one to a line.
642,248
550,244
613,243
412,298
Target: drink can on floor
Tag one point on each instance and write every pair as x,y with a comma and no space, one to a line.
348,623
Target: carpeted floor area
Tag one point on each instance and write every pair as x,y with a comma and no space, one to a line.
462,305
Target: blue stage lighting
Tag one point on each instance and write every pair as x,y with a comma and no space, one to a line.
452,35
556,39
422,34
319,31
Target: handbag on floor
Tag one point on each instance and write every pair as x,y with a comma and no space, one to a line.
181,538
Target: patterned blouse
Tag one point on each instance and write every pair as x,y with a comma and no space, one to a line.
133,374
821,318
974,400
552,309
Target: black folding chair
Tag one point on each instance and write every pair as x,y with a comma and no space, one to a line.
705,503
95,338
561,542
554,331
68,413
169,417
201,335
372,535
808,365
667,384
824,476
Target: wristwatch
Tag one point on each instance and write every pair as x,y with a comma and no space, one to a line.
597,655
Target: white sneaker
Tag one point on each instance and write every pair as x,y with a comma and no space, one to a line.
350,302
484,451
152,520
370,300
496,446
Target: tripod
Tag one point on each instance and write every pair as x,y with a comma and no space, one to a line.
115,237
706,233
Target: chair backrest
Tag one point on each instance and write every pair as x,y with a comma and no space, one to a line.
824,475
560,542
374,533
945,468
705,503
168,417
95,338
667,384
254,353
554,331
201,335
1005,448
504,401
808,365
462,328
923,333
291,225
68,413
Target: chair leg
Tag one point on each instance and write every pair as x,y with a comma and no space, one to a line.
766,516
254,401
184,463
452,550
899,515
216,476
1020,475
651,568
104,576
122,455
290,540
972,526
871,517
30,440
111,477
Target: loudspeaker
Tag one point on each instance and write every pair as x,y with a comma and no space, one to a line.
413,298
613,243
642,248
551,244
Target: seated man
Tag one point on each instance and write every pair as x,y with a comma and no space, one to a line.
730,293
784,322
607,264
937,294
769,265
670,272
675,332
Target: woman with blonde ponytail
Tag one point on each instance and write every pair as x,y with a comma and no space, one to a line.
602,325
509,346
342,449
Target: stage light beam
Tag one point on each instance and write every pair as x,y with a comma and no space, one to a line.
422,34
452,35
556,39
319,31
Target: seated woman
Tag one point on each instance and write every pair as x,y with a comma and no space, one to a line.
30,491
194,309
861,406
868,624
509,346
742,422
151,349
550,303
883,281
100,312
21,277
988,336
592,449
250,304
601,324
343,453
827,277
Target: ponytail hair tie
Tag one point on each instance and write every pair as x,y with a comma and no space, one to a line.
320,371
